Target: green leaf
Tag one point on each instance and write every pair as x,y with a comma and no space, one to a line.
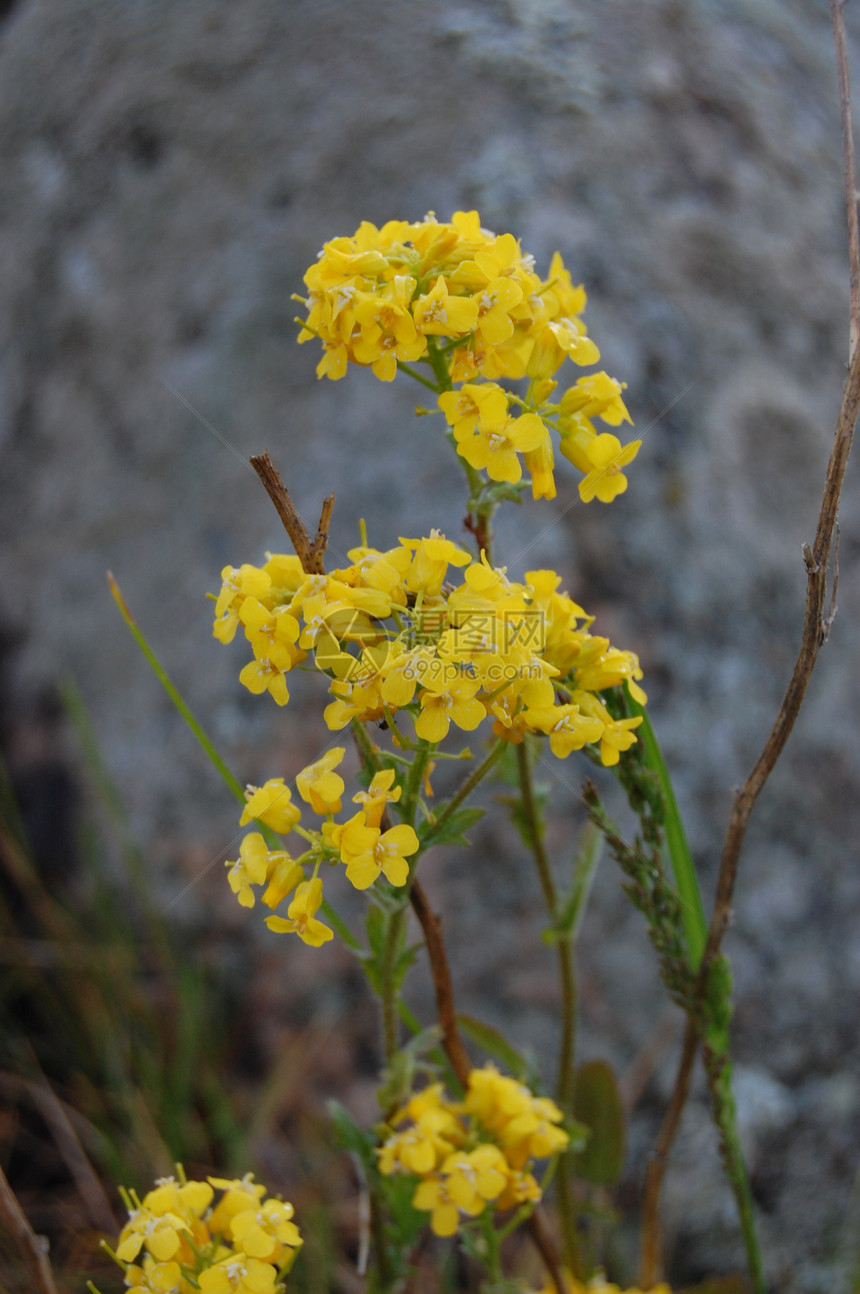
496,1045
519,817
349,1136
451,832
683,867
572,904
597,1104
718,1001
503,490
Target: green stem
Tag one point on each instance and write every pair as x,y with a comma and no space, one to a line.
465,790
683,867
172,692
492,1244
480,526
394,934
410,372
719,1069
409,803
567,977
206,742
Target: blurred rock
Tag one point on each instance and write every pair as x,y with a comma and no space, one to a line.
170,171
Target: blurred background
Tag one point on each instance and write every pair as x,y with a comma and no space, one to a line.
169,172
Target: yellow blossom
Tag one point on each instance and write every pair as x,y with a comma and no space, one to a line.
272,805
367,851
606,479
496,448
444,701
301,915
485,402
249,869
381,792
262,1232
440,312
318,784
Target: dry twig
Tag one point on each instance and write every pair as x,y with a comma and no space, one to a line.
310,552
32,1248
816,627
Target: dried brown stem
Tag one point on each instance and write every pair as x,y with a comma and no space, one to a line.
816,628
649,1258
456,1051
836,7
442,983
310,552
816,625
32,1248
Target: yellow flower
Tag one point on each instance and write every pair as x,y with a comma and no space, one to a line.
318,784
272,805
596,396
160,1233
237,583
438,312
153,1277
262,1232
262,675
431,1196
485,402
367,852
475,1177
495,448
249,869
539,463
301,915
434,1133
381,792
240,1193
567,728
444,702
495,302
571,337
283,874
606,479
431,558
237,1274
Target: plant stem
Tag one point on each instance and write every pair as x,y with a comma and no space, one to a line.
649,1258
394,933
480,523
172,692
465,789
567,977
718,1069
30,1246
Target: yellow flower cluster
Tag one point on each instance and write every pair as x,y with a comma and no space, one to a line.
177,1242
394,636
473,1153
468,304
360,843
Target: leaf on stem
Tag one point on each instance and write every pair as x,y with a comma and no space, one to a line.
598,1105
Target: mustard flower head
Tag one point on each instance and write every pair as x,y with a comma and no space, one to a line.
451,641
457,295
179,1238
473,1154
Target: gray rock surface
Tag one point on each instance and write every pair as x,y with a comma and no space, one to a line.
170,171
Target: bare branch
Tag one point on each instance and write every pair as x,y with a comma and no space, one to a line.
456,1051
816,628
836,18
310,554
442,984
32,1248
649,1259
